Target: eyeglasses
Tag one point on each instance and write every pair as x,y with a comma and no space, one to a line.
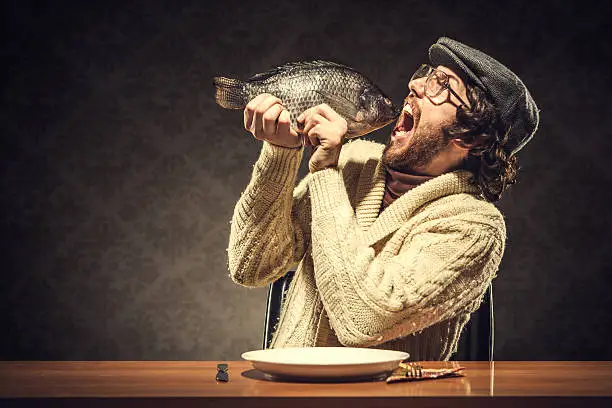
437,81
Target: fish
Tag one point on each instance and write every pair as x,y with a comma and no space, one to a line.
303,84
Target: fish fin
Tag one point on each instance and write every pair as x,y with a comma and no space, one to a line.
340,104
281,69
313,64
289,66
230,93
328,64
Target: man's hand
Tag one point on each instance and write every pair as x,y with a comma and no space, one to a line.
267,119
324,129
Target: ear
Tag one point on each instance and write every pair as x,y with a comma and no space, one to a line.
461,144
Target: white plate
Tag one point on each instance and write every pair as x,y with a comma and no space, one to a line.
325,363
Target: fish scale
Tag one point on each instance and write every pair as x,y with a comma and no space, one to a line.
298,90
301,85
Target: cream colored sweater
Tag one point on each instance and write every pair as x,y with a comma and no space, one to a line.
406,279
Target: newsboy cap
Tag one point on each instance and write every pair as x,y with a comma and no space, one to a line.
516,109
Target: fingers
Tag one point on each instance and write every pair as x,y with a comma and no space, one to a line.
257,128
313,121
313,135
323,110
318,114
249,110
322,125
312,117
269,118
255,111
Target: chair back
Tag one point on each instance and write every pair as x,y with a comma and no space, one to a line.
276,296
477,340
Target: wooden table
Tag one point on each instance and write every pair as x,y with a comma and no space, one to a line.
192,384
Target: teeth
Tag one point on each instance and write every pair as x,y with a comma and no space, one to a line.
408,109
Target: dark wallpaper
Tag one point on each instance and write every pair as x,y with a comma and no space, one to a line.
120,173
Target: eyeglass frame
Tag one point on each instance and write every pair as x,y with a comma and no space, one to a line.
445,85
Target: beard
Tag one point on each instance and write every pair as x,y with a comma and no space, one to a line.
423,146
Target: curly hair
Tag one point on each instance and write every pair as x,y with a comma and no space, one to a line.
493,167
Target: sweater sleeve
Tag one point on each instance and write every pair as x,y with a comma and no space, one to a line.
442,268
267,233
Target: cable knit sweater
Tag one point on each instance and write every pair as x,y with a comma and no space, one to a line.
405,279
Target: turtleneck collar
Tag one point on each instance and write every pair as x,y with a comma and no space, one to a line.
398,183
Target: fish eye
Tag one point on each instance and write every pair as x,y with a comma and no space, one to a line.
387,101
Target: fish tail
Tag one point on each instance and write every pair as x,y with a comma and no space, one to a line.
230,93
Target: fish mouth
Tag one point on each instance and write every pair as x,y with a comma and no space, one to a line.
363,127
405,126
357,129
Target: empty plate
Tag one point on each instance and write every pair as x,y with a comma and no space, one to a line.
325,363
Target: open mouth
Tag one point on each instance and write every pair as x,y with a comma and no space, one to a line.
405,124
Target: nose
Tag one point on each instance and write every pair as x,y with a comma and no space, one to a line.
417,86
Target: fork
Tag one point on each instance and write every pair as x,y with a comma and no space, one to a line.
412,370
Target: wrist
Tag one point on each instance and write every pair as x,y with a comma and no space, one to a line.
323,159
285,146
293,143
315,167
278,164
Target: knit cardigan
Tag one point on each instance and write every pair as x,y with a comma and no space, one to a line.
405,279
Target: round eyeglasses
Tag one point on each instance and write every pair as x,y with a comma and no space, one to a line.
437,81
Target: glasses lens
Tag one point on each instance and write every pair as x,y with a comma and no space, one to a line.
436,83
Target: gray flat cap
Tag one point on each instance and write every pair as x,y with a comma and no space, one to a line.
516,108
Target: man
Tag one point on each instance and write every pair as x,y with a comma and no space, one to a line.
395,244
